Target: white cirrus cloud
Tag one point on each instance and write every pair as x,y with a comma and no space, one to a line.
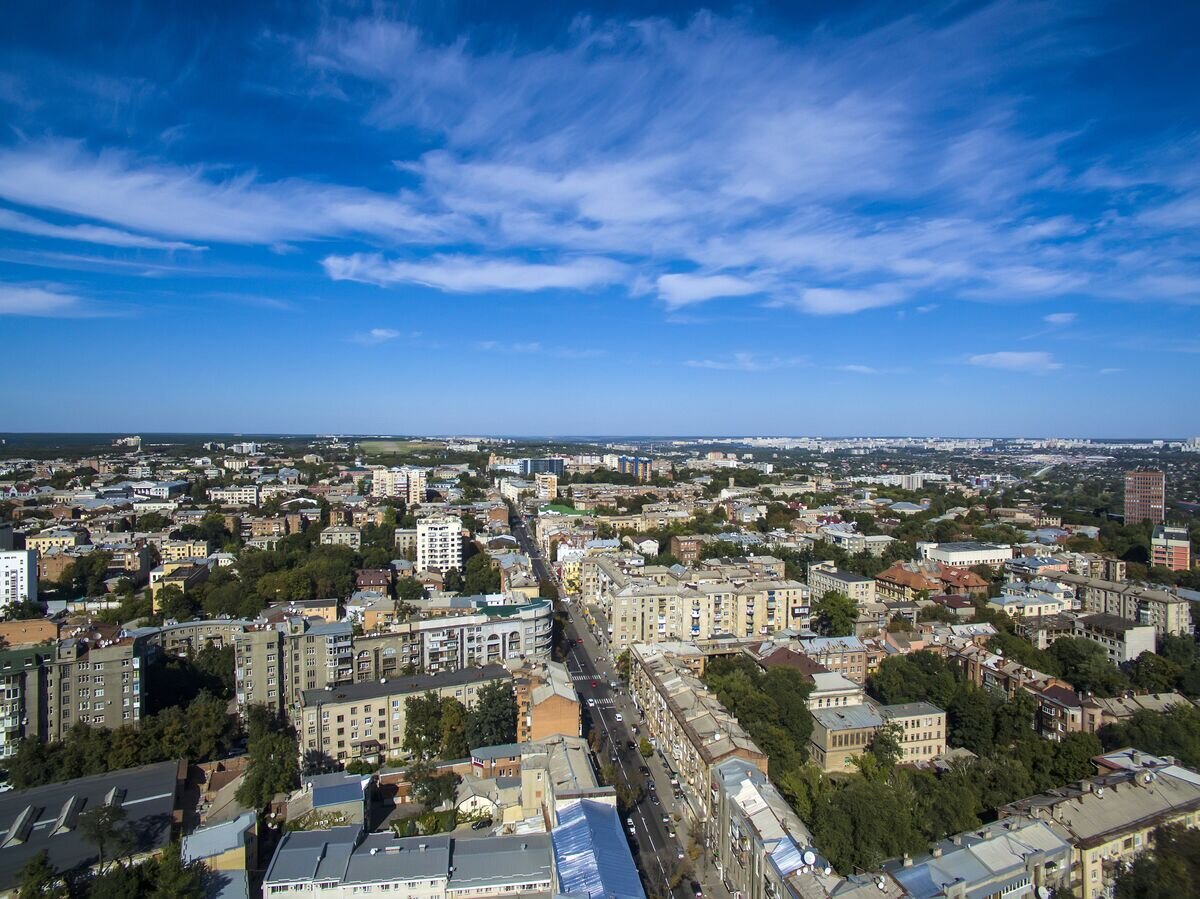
467,274
11,220
1060,318
748,362
43,300
377,336
1034,362
684,289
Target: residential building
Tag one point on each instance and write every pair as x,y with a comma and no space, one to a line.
342,535
1171,548
1123,640
686,721
1145,496
642,469
758,845
95,677
178,550
546,486
831,690
18,577
846,656
1011,858
228,851
842,734
547,703
439,544
1168,613
687,548
274,664
825,577
346,862
55,538
1110,819
366,720
237,495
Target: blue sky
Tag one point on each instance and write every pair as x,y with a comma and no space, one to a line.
962,218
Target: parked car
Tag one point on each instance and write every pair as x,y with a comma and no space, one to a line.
481,824
629,744
618,717
696,891
591,703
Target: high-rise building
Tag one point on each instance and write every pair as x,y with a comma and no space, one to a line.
638,467
1145,496
406,483
541,466
1171,548
18,577
547,486
439,543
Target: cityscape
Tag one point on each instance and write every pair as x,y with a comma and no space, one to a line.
600,450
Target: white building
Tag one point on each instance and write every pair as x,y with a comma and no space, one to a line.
237,495
18,577
342,535
964,555
408,484
439,543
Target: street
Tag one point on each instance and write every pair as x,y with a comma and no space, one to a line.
613,715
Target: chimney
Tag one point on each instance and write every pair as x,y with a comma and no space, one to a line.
907,860
937,852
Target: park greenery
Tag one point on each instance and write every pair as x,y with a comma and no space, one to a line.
442,727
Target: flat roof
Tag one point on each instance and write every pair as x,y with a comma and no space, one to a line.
412,684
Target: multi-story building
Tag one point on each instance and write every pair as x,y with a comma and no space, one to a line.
687,548
439,544
1123,640
840,735
1171,548
178,550
94,679
846,656
687,722
18,577
1012,858
237,495
366,720
546,486
757,843
275,664
1170,614
547,704
825,577
23,705
1110,819
430,867
965,555
1145,496
342,535
642,469
552,466
55,538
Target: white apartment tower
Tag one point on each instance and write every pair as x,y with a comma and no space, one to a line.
18,577
439,544
407,484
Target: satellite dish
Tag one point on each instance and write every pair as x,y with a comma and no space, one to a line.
1043,893
828,870
810,857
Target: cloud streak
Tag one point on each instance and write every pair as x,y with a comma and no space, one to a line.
1037,363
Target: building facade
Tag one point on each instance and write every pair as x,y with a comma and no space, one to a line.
439,544
18,577
1145,496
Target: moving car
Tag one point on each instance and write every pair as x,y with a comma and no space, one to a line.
593,684
481,824
696,891
618,717
591,703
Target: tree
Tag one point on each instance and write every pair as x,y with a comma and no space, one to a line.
452,581
1174,732
430,788
454,729
835,614
104,827
422,725
1171,869
38,877
1154,673
173,879
274,759
493,721
174,604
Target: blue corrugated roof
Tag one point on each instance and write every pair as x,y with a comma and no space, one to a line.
591,854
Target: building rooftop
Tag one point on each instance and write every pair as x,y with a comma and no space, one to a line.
412,684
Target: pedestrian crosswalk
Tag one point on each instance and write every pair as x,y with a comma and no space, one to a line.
606,702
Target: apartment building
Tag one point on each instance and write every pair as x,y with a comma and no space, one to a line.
686,721
840,735
366,720
408,484
439,544
758,845
23,705
687,548
237,495
178,550
274,664
18,577
547,703
846,656
1171,548
1167,612
55,538
94,677
1110,819
546,485
1145,496
825,577
1123,640
342,535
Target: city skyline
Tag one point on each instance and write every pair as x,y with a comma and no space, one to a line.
605,220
